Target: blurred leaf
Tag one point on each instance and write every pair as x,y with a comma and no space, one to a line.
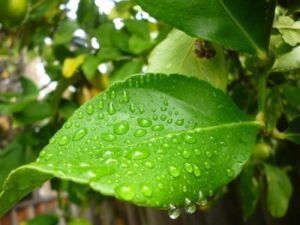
43,219
293,5
230,23
79,221
121,9
29,87
138,45
292,133
39,8
105,34
90,67
140,180
138,27
279,190
292,93
67,108
289,29
288,61
250,190
108,54
177,54
65,32
88,14
71,65
127,69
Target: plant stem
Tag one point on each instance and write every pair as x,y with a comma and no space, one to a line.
262,82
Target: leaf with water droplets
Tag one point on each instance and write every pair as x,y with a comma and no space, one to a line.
171,142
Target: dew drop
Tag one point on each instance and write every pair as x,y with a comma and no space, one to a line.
80,134
140,133
158,127
144,122
208,154
80,115
179,122
90,109
147,191
197,171
125,96
100,104
125,192
163,108
197,152
166,103
190,208
149,165
132,108
138,154
121,128
155,117
189,138
169,121
113,95
188,167
207,165
111,108
163,117
174,212
186,154
100,116
229,173
174,171
63,140
108,137
68,124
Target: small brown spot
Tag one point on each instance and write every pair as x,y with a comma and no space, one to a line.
203,49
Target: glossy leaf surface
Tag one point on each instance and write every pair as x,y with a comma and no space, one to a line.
153,140
178,54
228,22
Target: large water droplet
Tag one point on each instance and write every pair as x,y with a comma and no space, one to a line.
140,133
125,192
90,109
189,138
179,122
158,127
121,128
80,134
125,96
138,154
190,208
174,212
143,122
63,140
111,108
197,171
188,167
147,191
174,171
108,137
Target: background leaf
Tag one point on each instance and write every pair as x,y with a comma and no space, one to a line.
161,144
230,23
177,54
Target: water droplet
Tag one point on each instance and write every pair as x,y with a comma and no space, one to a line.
189,138
163,108
207,165
52,140
140,133
229,172
166,103
180,122
121,128
163,117
108,137
80,134
146,191
125,96
113,94
174,212
100,104
63,140
125,192
111,108
144,122
174,171
186,154
90,109
138,154
197,171
169,121
158,127
149,165
155,117
208,154
80,115
68,124
190,208
188,167
197,152
100,116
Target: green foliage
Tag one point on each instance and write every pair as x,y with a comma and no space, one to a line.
166,141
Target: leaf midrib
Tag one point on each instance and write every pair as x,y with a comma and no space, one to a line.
244,32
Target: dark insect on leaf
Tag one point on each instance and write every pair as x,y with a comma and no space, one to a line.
204,49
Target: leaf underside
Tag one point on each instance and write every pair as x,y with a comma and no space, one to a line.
228,22
154,140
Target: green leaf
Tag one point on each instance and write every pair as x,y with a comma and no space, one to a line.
289,29
250,190
65,32
90,67
279,190
293,131
288,61
153,140
43,219
87,14
228,22
177,54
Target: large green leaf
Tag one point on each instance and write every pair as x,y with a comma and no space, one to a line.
178,54
153,140
279,190
228,22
